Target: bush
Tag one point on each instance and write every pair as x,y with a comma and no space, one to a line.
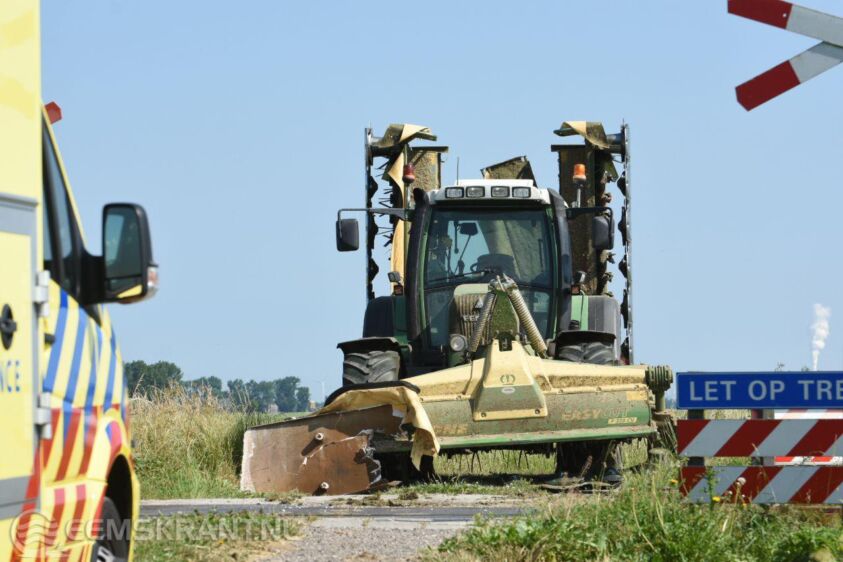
188,444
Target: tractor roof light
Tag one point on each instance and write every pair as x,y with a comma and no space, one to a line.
500,191
522,192
475,191
454,193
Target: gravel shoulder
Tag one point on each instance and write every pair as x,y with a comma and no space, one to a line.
383,527
366,541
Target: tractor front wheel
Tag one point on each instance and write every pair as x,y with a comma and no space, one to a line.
370,366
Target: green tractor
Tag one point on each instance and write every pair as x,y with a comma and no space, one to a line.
500,332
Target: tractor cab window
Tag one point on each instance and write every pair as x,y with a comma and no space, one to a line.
470,246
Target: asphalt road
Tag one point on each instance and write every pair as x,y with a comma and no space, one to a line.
441,513
431,508
345,528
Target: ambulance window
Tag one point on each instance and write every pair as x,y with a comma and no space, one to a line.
48,239
62,215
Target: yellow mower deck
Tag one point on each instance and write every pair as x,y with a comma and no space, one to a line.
508,398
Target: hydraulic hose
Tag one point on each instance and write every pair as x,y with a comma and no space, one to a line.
534,336
482,320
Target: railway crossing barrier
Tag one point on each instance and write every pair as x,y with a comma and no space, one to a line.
772,475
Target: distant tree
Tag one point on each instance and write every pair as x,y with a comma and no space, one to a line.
302,399
214,384
261,394
285,394
142,377
238,396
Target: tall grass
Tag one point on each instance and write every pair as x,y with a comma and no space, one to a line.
647,520
188,444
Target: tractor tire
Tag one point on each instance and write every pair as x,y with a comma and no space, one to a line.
398,467
590,460
113,543
594,353
370,366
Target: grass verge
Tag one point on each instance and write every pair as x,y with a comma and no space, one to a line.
211,537
647,520
188,445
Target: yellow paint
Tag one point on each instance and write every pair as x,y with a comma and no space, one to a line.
551,376
622,421
16,362
131,292
20,97
634,395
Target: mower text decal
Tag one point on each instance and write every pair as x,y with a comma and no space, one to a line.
802,389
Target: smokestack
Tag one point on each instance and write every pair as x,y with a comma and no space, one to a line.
820,329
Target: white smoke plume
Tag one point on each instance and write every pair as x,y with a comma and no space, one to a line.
820,329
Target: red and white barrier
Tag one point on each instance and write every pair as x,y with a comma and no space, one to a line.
759,438
802,67
822,460
763,484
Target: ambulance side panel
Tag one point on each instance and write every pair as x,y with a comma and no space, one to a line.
20,192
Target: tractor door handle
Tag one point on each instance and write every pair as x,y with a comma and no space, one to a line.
8,326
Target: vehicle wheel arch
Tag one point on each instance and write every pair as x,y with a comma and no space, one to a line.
118,486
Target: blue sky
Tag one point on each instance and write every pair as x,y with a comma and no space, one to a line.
239,127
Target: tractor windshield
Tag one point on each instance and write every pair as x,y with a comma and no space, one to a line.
468,246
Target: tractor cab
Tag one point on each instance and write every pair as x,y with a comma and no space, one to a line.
450,244
468,235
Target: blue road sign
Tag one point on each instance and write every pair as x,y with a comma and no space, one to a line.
802,389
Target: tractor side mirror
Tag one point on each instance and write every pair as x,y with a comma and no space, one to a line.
603,232
348,235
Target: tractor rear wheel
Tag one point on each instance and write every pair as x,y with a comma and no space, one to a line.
370,366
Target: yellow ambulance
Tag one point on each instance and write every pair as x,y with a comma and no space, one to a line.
68,489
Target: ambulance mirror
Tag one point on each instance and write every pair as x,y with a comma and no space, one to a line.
129,273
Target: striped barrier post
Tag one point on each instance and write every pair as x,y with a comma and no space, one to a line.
802,414
801,446
800,68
